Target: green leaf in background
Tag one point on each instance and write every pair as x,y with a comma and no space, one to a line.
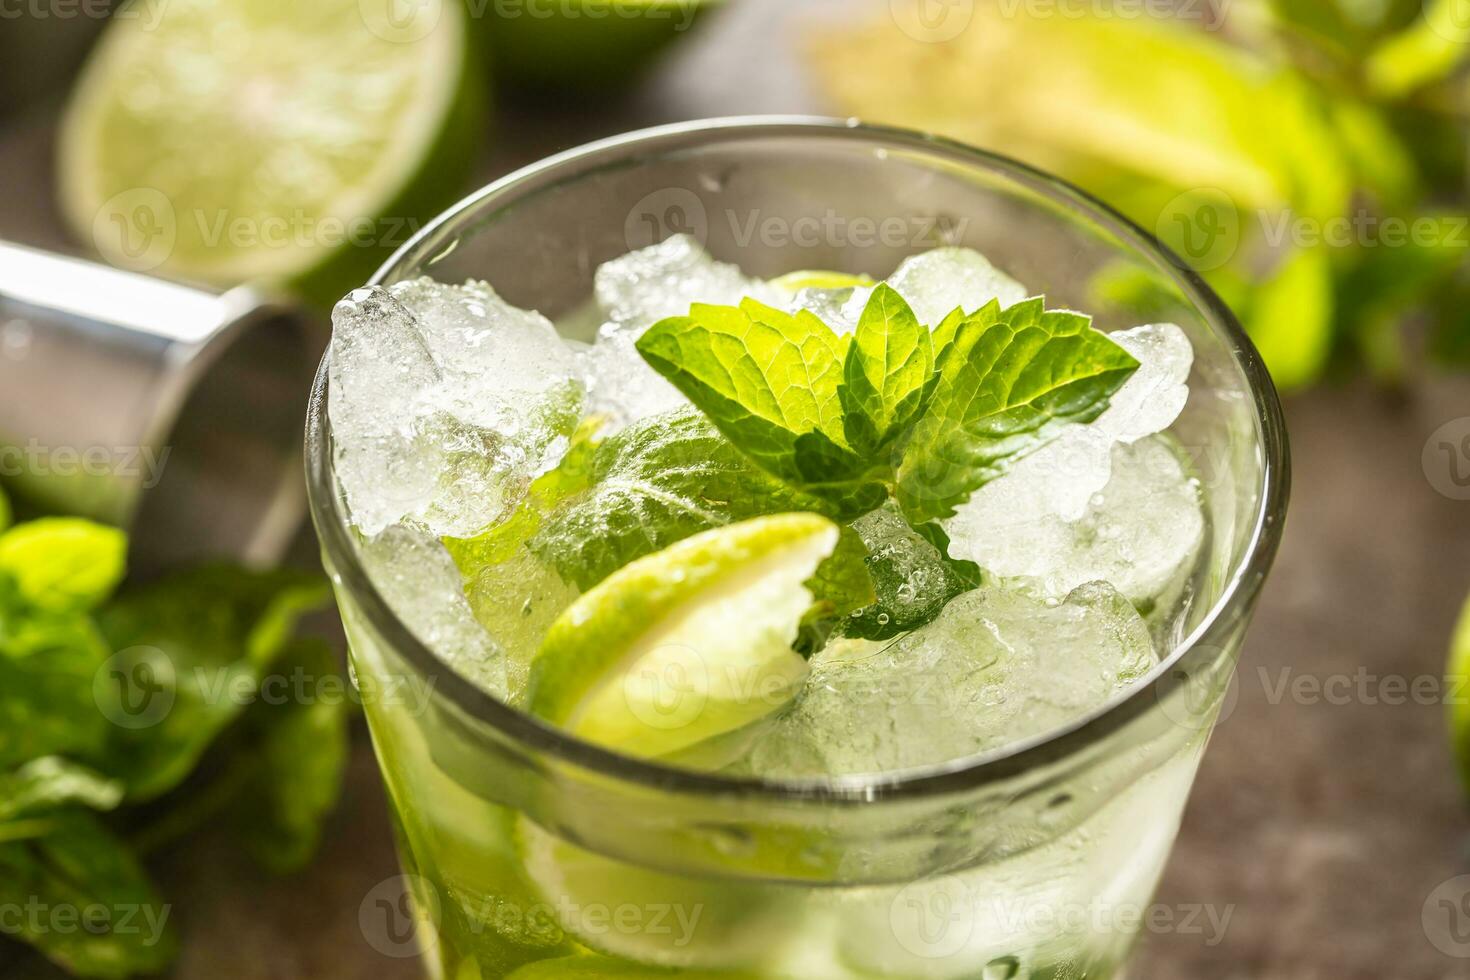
912,572
191,649
51,782
1430,49
1007,385
1291,316
887,374
5,512
296,760
1151,112
48,663
767,379
120,926
63,563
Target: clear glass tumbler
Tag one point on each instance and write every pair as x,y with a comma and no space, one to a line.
531,854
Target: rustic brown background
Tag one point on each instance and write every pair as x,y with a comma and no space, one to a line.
1324,825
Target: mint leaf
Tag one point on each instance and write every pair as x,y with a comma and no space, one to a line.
767,379
654,483
912,573
48,661
297,759
191,651
51,782
63,563
1008,383
842,584
123,926
887,374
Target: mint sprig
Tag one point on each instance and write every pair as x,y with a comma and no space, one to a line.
928,415
1007,384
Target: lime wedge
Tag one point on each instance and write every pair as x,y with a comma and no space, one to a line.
685,644
1458,677
294,143
702,923
819,279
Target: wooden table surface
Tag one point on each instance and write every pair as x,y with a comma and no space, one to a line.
1322,823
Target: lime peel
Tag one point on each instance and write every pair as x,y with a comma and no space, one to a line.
688,643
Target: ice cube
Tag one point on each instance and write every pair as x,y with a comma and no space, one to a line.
621,385
445,402
1062,477
840,309
635,292
935,283
419,580
998,665
664,280
1142,533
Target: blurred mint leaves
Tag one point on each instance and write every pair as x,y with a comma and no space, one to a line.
1308,157
130,717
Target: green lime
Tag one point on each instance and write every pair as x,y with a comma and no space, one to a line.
587,46
685,644
1459,679
292,143
819,279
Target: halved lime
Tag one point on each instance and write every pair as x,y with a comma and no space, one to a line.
273,140
687,643
587,46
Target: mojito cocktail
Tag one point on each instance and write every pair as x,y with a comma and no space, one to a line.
779,623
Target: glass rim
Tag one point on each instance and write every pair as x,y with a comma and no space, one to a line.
954,776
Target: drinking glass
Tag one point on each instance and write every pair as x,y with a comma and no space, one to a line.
529,853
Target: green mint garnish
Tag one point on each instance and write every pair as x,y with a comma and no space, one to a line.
770,382
656,482
898,413
930,416
888,375
1008,382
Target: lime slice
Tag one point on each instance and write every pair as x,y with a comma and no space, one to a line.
295,143
685,644
819,279
1459,679
665,920
586,46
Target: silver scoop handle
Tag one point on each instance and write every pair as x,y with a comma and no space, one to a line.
171,410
